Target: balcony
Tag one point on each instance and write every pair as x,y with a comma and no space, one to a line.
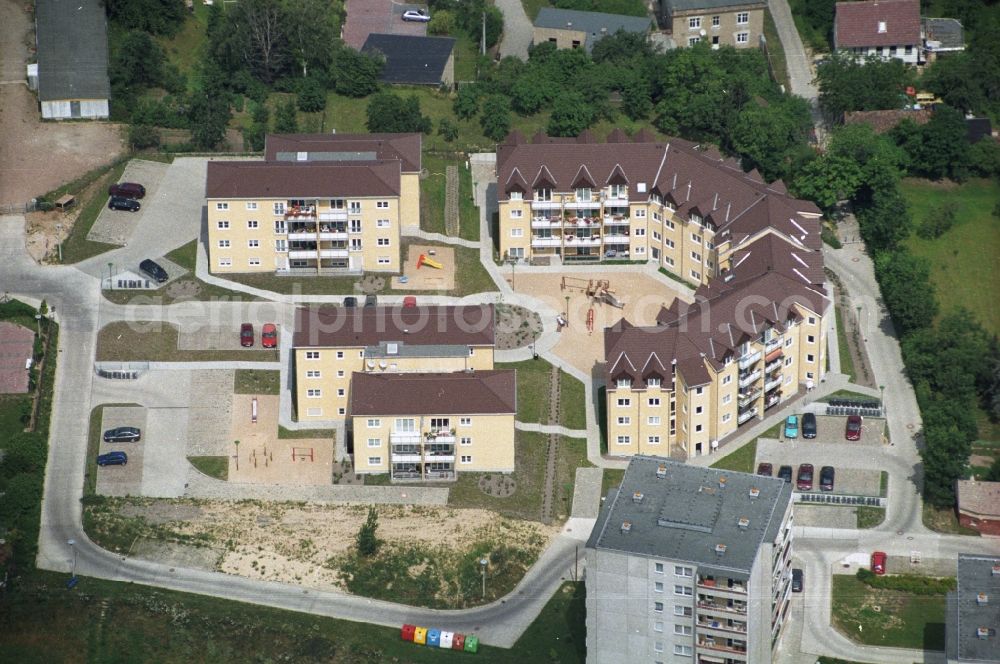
300,212
404,437
575,241
771,384
334,235
737,608
583,222
302,235
614,238
712,585
773,366
545,205
748,398
772,401
546,222
538,241
772,355
333,253
405,458
749,359
772,344
338,214
581,205
302,253
442,436
747,416
739,628
710,644
749,378
612,219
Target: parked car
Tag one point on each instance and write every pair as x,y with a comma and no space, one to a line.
409,302
785,473
350,301
796,580
371,300
112,459
765,469
122,203
809,425
269,336
122,435
826,477
804,480
419,15
878,562
853,430
246,335
154,270
127,190
792,427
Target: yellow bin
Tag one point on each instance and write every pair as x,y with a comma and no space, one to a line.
420,635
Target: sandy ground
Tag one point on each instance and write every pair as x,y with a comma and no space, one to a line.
261,458
642,295
428,278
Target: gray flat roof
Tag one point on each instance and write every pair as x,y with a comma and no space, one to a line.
72,38
403,349
692,5
596,24
975,577
948,31
687,511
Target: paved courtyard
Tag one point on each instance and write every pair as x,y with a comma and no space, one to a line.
210,413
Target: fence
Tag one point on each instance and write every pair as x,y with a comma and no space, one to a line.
121,370
19,208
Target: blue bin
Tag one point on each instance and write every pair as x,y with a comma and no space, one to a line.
434,637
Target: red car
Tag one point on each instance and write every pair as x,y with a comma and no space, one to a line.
804,481
409,302
853,430
268,336
127,189
246,335
878,562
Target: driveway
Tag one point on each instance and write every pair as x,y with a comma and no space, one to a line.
517,29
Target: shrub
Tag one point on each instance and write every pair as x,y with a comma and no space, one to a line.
908,583
938,221
367,538
447,130
141,137
312,96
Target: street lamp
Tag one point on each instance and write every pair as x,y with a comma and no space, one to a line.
110,275
512,261
882,389
72,545
484,561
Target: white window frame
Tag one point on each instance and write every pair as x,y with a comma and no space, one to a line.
465,459
222,206
251,205
374,461
374,423
314,393
694,22
222,225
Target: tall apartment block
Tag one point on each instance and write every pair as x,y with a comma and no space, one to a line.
320,204
689,564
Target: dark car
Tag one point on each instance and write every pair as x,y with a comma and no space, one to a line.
796,580
853,430
122,435
371,300
154,270
112,459
826,476
246,335
765,469
350,301
785,473
122,203
127,190
804,480
269,336
809,425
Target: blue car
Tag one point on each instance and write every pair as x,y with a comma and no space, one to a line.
792,427
112,459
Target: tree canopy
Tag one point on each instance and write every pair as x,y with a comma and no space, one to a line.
847,84
389,112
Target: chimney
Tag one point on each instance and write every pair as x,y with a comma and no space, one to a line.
720,549
754,493
982,599
722,482
743,523
637,497
626,526
661,471
983,632
995,571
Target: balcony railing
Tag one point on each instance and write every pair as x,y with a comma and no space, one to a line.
768,368
537,241
611,219
749,359
440,436
302,211
337,214
592,241
771,384
744,417
440,475
711,645
545,222
749,378
713,585
411,437
546,205
406,458
772,401
615,238
739,628
772,344
746,399
739,609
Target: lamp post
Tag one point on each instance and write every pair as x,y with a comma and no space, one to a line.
72,545
484,561
110,275
567,307
882,389
512,261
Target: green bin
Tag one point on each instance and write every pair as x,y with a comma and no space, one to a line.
471,643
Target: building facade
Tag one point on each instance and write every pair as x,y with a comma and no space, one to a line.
333,345
569,28
71,41
318,204
882,29
737,23
689,562
431,426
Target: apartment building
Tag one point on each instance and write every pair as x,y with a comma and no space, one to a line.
974,611
672,202
570,28
689,564
332,345
882,29
431,426
737,23
317,204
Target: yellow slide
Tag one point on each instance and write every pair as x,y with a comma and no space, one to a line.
423,260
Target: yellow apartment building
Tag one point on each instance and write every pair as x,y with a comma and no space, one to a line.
332,344
432,426
737,23
317,204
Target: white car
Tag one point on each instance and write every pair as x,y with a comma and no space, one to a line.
420,15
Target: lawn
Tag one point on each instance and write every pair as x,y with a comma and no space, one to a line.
138,341
849,394
612,478
176,628
432,195
843,347
944,520
304,433
741,460
888,618
213,466
254,381
184,49
533,378
92,193
869,517
963,260
776,52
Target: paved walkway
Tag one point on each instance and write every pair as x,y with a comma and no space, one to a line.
555,429
517,29
412,231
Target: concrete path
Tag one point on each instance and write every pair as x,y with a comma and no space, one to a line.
517,29
412,231
556,429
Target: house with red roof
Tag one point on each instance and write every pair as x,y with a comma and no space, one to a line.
879,29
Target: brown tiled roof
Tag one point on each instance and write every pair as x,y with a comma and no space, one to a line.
416,326
979,499
883,121
351,147
857,23
274,179
773,252
458,393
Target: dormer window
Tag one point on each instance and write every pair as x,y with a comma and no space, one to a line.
696,218
670,206
619,191
623,383
543,194
516,196
881,27
583,195
657,199
653,382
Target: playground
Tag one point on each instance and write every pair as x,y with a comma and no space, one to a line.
436,270
262,458
591,301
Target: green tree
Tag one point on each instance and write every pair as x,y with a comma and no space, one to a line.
257,33
993,474
885,221
367,538
938,220
209,116
828,179
766,136
311,95
636,102
159,17
906,289
356,74
142,137
441,23
286,120
623,7
570,115
495,117
945,150
447,130
984,158
466,103
957,80
311,26
529,94
388,112
137,61
846,84
944,454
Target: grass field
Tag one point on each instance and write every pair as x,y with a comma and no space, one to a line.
77,247
869,517
213,466
185,49
964,269
253,381
776,52
532,7
902,620
843,347
741,460
533,378
432,195
138,341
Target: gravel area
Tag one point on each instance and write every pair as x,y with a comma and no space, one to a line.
210,413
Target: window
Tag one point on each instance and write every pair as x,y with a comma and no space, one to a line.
383,223
654,401
680,570
657,237
384,260
341,411
314,393
355,226
253,262
742,37
314,412
698,410
279,208
658,607
669,244
340,392
788,342
625,420
279,226
908,50
810,339
382,242
354,207
225,262
639,232
812,320
623,383
516,214
223,244
355,244
682,650
668,261
374,461
694,22
696,256
742,18
726,417
658,646
465,441
583,194
653,382
466,458
374,442
382,205
517,232
695,238
624,403
222,206
374,423
727,380
543,194
715,21
340,354
438,423
465,421
576,43
253,223
684,591
517,195
788,361
253,244
222,225
658,568
251,205
653,440
312,354
624,440
810,357
684,611
640,250
340,374
726,399
639,213
658,626
281,245
809,375
695,275
653,420
658,587
313,373
684,630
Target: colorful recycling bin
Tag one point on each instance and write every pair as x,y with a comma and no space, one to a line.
458,643
434,637
446,639
407,632
472,643
420,635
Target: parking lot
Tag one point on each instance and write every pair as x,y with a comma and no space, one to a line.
215,337
830,429
117,226
122,480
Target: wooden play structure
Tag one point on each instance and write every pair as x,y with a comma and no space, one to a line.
598,290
